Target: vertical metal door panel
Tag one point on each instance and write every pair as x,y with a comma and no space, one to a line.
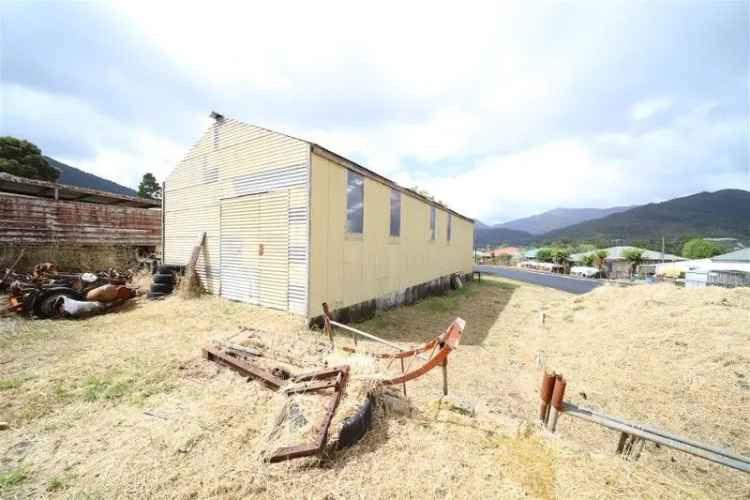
274,263
240,237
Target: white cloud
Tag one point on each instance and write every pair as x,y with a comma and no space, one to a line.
120,153
145,153
498,109
643,110
599,170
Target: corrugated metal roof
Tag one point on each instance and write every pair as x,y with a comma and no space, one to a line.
43,189
616,253
736,256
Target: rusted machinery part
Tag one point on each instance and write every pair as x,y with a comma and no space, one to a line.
341,375
447,342
545,394
44,302
355,427
243,366
558,392
401,354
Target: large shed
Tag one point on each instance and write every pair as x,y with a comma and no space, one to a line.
290,225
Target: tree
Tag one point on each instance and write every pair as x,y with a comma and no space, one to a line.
504,259
559,254
634,256
24,159
149,188
544,254
589,259
699,248
599,257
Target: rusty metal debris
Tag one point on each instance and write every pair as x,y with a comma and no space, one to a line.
439,348
49,293
329,384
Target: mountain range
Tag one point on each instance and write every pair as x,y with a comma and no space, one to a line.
724,213
558,218
77,177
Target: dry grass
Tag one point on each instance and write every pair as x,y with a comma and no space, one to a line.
123,406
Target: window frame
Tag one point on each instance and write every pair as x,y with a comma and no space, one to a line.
348,226
394,195
433,223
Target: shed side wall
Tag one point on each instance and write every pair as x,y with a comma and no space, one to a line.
235,159
347,269
30,221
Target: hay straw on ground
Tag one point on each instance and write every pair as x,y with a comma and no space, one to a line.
677,359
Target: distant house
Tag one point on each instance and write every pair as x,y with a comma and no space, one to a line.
729,269
617,266
514,252
530,254
482,257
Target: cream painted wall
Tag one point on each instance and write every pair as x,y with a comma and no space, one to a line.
347,269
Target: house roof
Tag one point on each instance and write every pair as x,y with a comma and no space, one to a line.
43,189
616,253
736,256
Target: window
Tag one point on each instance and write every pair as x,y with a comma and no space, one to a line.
432,223
355,195
395,213
450,223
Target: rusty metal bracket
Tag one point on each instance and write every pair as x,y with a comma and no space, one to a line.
311,382
243,366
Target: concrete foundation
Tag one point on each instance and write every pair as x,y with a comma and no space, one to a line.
363,311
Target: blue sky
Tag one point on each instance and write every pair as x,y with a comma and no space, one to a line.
500,110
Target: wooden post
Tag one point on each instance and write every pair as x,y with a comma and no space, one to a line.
621,442
327,323
402,372
445,377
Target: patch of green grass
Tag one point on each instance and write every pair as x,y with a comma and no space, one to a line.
6,384
379,322
55,484
105,388
12,478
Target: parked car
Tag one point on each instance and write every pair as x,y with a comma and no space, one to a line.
585,271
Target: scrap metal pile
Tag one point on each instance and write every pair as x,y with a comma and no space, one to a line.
49,293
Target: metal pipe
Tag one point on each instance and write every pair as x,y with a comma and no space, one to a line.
715,455
558,393
664,434
372,337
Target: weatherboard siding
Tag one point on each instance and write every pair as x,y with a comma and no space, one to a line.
31,221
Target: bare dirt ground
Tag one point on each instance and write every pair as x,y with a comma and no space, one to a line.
123,405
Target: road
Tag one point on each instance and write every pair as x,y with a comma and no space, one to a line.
557,281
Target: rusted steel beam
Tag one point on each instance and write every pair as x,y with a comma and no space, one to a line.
243,366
